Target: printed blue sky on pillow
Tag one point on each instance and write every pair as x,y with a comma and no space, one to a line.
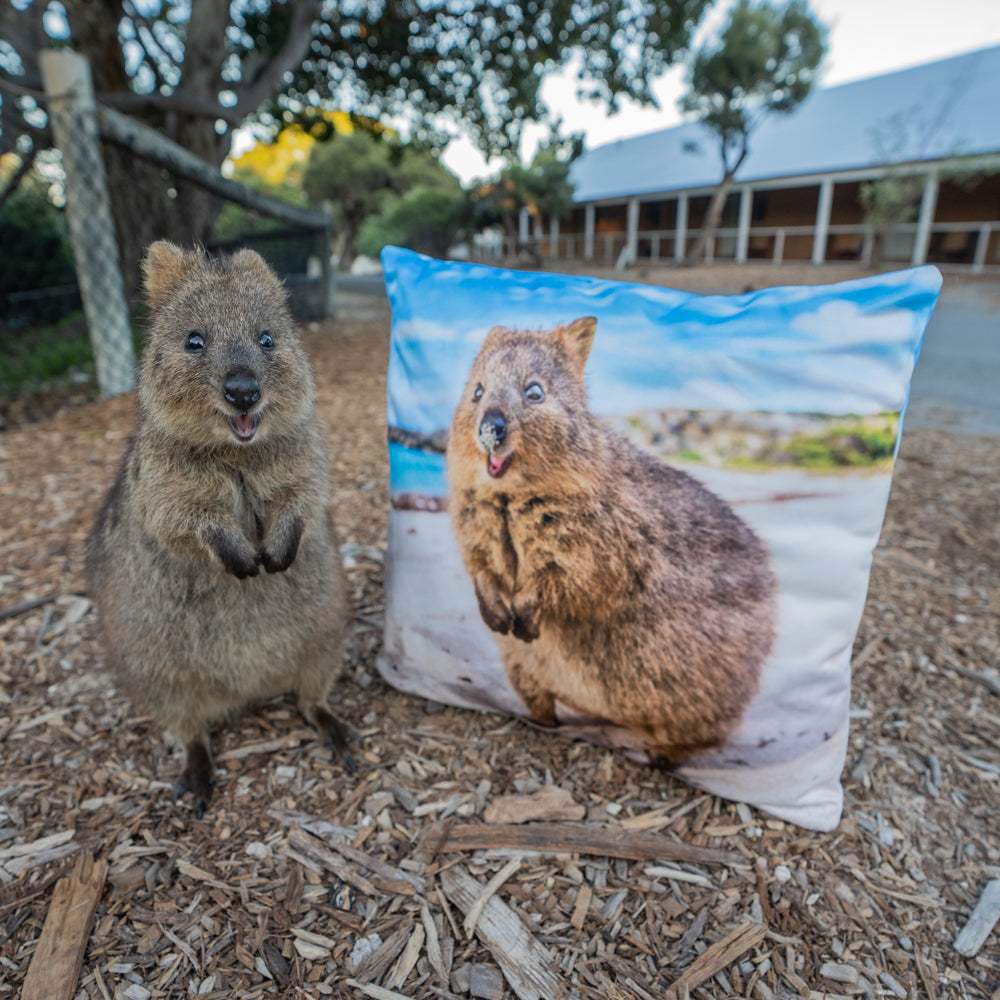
841,348
783,406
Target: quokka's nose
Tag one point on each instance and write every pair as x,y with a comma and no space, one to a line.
492,429
242,390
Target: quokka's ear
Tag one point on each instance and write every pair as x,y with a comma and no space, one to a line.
577,338
250,260
163,266
251,263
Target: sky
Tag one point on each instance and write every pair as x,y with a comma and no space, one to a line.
866,38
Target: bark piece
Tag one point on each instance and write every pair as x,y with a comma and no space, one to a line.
492,887
312,847
380,959
528,966
559,838
719,956
55,966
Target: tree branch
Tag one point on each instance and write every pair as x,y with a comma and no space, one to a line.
145,38
178,102
24,32
146,142
265,81
204,51
7,83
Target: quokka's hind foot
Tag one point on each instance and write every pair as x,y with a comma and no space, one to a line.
662,763
337,735
540,703
670,757
196,777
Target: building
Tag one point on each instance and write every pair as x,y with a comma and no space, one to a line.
796,195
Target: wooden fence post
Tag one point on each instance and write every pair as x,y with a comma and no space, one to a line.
73,117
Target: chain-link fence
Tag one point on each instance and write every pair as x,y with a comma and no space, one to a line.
297,256
65,316
44,342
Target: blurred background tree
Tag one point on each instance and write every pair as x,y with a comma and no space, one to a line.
428,218
543,188
765,62
198,70
33,231
893,199
364,175
276,166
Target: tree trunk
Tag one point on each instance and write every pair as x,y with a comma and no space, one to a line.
147,203
347,238
712,218
508,221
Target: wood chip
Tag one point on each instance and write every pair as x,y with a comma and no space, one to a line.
904,559
839,973
659,871
376,992
550,802
408,959
981,923
485,981
312,847
23,607
434,953
380,959
391,879
36,847
581,907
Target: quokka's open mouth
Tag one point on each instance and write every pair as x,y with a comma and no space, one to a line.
497,466
244,425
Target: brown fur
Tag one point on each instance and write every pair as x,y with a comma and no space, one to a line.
617,585
214,561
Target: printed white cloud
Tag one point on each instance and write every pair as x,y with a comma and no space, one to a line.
845,324
447,331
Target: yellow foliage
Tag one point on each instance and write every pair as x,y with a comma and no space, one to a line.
10,163
283,160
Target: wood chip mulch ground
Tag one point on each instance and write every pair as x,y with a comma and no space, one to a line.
413,877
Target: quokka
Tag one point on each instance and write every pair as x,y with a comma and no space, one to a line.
214,562
616,585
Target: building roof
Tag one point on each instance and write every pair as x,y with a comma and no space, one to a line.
926,112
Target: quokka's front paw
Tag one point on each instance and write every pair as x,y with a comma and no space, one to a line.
524,620
494,612
236,553
280,549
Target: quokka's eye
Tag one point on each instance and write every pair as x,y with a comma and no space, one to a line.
266,340
478,394
195,342
534,393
